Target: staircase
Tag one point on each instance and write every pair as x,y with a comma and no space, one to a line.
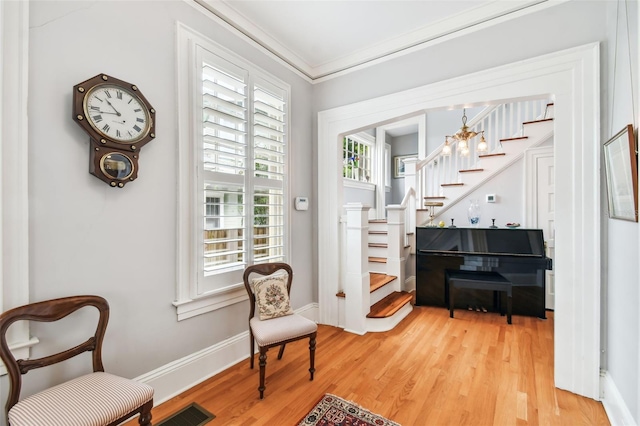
376,251
377,292
509,129
389,303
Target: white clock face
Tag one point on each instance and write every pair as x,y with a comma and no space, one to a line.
117,113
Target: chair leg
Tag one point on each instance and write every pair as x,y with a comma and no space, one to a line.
145,414
263,365
281,352
312,354
252,353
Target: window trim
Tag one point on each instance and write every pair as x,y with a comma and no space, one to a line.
188,302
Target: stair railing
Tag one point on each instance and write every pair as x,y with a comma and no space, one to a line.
409,201
497,122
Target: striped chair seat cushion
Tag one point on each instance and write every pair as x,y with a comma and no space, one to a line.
91,400
275,330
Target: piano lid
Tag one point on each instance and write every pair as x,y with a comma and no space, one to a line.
527,242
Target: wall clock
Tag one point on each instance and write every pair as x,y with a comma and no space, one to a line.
119,121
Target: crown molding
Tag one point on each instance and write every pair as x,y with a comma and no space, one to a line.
483,16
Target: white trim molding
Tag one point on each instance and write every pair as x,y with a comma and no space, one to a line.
572,78
615,407
180,375
14,167
466,22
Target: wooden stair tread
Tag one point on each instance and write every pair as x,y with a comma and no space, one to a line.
382,245
378,232
491,155
378,221
433,203
537,121
377,259
390,304
470,170
377,280
439,197
451,184
514,139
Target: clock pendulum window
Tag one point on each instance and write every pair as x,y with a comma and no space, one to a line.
119,121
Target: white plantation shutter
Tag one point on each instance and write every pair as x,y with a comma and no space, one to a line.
242,171
269,138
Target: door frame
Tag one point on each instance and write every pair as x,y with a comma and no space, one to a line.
530,180
531,157
572,78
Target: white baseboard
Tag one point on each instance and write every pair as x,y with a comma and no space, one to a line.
178,376
614,405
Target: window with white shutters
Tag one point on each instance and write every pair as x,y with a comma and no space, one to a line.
238,155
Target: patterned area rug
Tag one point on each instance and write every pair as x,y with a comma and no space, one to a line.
335,411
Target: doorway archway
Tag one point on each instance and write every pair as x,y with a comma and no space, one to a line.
571,77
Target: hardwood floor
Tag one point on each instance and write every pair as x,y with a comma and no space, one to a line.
430,370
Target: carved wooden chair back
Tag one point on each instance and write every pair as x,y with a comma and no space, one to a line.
117,398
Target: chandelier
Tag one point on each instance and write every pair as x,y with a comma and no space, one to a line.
462,138
463,135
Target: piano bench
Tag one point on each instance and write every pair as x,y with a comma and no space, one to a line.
481,281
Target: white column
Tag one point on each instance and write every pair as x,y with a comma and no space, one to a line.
356,258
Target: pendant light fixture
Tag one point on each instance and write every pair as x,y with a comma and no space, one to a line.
446,149
482,145
463,135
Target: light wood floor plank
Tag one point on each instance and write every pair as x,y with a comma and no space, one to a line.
474,369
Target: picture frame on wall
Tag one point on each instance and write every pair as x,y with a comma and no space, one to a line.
398,165
621,169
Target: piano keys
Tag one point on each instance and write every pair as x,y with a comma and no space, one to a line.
516,254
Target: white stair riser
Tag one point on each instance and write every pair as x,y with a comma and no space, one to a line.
384,291
378,226
386,324
378,251
380,268
378,238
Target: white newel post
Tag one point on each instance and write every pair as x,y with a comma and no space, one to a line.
395,243
356,286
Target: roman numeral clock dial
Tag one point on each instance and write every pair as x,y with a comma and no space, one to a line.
119,121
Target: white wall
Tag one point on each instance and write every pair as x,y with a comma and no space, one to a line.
88,238
508,187
621,355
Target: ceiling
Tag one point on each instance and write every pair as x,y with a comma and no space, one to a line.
323,38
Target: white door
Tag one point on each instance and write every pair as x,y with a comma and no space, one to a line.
545,215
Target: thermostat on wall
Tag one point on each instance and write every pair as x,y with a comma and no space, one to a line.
302,203
491,198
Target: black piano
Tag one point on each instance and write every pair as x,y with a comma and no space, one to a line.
516,254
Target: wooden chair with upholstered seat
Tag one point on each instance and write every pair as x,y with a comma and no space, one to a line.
273,323
94,399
